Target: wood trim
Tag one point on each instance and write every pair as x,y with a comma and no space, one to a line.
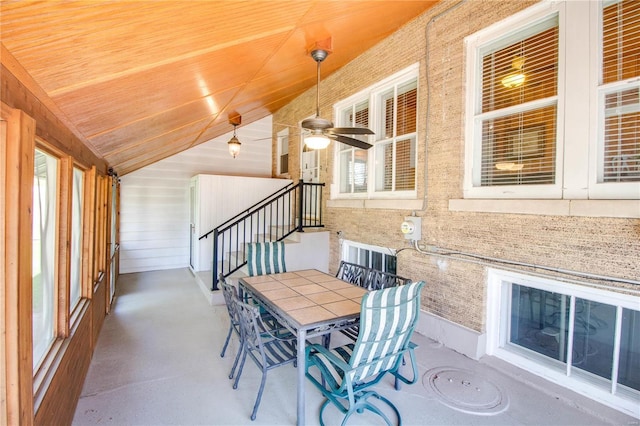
65,183
17,161
88,251
3,273
108,242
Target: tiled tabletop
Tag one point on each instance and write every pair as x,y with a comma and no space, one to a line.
307,297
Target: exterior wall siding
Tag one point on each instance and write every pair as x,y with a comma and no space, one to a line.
154,213
456,290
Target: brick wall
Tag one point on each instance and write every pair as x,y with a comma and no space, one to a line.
455,290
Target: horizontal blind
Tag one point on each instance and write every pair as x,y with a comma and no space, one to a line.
621,61
521,72
395,157
519,148
355,116
407,107
620,41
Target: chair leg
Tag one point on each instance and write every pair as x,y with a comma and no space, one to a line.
362,404
226,342
235,362
244,357
257,404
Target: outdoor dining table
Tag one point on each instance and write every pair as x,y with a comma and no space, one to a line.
309,303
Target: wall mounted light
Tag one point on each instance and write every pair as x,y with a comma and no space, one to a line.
234,143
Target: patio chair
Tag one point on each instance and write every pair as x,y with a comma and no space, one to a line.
347,373
230,296
375,280
353,273
379,280
266,348
265,258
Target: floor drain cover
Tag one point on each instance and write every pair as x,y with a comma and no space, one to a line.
465,391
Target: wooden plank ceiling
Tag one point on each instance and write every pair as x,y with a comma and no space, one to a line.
139,81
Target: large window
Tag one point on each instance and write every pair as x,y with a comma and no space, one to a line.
45,216
389,167
534,117
583,337
77,212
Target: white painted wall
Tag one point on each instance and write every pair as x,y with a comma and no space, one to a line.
218,199
154,201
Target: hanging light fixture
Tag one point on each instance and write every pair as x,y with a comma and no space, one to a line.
234,143
317,140
517,77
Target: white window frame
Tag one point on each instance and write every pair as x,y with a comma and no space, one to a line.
384,251
282,135
372,94
598,189
576,174
499,284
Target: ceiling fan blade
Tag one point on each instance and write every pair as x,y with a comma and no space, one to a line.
350,130
350,141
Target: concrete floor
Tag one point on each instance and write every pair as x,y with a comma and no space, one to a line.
157,362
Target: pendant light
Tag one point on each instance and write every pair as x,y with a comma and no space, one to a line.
234,143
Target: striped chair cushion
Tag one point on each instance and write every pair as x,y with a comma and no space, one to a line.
387,321
265,258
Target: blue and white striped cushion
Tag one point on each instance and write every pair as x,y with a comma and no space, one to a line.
387,321
265,258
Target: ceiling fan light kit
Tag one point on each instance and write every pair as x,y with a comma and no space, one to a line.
317,141
322,130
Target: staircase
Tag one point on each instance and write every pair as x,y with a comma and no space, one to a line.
284,215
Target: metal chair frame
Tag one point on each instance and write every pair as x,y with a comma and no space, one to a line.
388,319
267,347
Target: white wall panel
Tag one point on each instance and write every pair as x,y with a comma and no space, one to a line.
154,201
220,198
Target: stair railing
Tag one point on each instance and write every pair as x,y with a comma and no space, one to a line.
288,210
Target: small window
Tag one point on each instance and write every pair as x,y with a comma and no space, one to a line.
283,152
380,258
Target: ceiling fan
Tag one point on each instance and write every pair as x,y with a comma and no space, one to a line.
321,129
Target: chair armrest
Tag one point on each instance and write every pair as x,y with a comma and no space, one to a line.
338,362
398,375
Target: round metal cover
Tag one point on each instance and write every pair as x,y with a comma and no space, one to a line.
465,391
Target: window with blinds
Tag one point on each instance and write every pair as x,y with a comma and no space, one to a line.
283,152
389,108
518,108
395,148
619,94
353,161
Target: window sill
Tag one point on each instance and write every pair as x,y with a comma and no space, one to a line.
590,208
388,204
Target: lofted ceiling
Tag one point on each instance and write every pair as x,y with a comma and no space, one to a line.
139,81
